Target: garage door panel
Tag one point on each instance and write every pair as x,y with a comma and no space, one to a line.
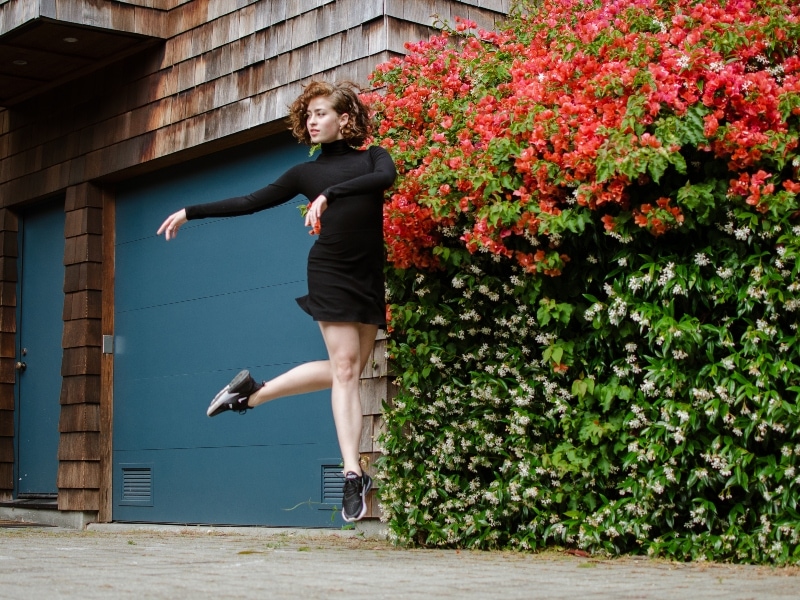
233,173
222,256
257,327
244,486
189,314
183,423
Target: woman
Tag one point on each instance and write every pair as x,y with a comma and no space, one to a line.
345,264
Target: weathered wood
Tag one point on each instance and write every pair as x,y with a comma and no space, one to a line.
83,221
8,318
8,346
373,394
9,221
8,326
7,396
81,196
85,304
105,493
81,332
79,417
80,499
80,361
7,372
78,474
79,277
80,389
6,424
8,268
6,450
6,480
8,293
83,248
79,445
116,134
8,243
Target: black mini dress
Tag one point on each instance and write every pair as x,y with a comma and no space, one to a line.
345,264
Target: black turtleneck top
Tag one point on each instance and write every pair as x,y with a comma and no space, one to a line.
339,171
345,264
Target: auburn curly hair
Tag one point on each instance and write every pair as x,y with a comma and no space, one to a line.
344,98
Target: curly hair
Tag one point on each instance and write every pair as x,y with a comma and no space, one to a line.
344,98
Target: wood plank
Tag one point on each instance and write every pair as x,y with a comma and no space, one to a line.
9,221
80,361
8,268
7,396
8,242
6,449
7,372
374,392
79,417
399,32
8,318
79,276
8,293
85,304
106,442
6,480
8,345
81,499
365,442
81,445
82,249
6,423
81,332
78,474
377,365
83,221
80,389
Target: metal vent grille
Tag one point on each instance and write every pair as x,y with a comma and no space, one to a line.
137,485
332,483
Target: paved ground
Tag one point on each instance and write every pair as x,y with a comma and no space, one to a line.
179,562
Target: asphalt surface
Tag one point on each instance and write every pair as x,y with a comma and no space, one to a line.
119,561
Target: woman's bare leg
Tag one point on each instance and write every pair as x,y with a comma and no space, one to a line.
302,379
349,348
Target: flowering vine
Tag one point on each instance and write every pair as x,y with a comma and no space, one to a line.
593,288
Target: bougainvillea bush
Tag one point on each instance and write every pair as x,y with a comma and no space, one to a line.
594,295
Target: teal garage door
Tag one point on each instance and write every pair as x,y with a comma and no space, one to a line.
192,312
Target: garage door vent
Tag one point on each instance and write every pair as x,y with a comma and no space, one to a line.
137,485
332,482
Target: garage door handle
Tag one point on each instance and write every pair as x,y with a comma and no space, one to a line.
20,366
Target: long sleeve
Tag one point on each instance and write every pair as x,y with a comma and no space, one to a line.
282,190
380,179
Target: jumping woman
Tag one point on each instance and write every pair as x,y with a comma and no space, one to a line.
345,265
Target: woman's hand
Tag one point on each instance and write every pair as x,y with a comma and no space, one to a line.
172,223
314,213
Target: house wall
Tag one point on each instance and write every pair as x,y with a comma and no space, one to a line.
222,76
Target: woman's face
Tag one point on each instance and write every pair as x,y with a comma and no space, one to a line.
323,123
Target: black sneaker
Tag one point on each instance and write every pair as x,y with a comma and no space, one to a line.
354,500
234,395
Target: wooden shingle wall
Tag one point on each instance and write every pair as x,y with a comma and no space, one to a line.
376,388
8,329
79,425
223,76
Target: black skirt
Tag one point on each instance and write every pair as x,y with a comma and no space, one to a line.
345,278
